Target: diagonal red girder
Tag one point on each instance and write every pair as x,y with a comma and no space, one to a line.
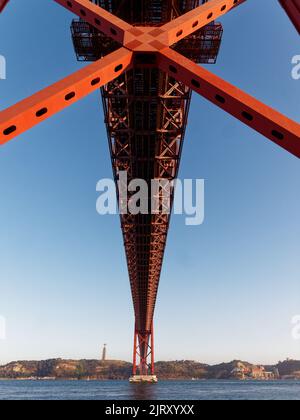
270,123
192,21
292,8
98,17
40,106
3,3
255,114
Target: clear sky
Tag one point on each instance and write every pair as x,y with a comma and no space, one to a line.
229,288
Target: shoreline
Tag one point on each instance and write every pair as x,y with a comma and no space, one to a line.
160,380
180,370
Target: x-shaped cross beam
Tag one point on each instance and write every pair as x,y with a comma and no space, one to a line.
136,42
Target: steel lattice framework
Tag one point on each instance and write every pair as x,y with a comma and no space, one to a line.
147,65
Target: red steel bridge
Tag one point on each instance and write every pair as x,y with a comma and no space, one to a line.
145,58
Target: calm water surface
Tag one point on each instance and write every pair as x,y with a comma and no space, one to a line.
121,390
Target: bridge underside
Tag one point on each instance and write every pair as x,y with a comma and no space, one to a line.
146,113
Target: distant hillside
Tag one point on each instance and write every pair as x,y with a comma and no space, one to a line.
181,370
66,369
177,370
228,370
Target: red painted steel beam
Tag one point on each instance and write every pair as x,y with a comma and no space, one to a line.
98,17
134,369
292,8
273,125
194,20
152,350
35,109
143,351
3,3
40,106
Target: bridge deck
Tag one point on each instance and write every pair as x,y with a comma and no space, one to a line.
146,113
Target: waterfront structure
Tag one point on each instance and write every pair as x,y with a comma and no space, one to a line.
104,352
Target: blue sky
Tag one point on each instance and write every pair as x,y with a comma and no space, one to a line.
229,288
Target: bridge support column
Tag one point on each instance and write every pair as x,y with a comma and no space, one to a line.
143,357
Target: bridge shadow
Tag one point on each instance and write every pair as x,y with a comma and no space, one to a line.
142,391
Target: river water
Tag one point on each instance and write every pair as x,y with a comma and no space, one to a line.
122,390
